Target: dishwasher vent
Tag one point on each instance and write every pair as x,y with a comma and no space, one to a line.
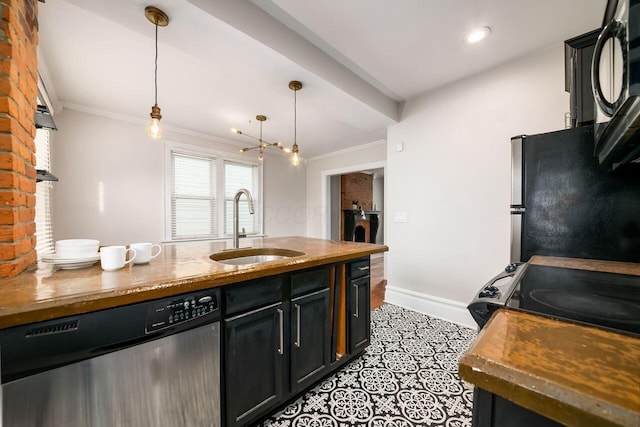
58,328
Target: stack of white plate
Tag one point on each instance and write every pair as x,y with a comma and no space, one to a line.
74,253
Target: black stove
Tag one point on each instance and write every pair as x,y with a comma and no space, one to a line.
605,300
595,298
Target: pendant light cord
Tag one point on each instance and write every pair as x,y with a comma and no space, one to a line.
295,116
155,72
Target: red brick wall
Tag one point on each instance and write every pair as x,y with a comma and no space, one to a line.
357,186
18,97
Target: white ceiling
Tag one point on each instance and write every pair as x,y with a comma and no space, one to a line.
222,62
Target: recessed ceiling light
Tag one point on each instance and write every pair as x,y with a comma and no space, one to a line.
478,34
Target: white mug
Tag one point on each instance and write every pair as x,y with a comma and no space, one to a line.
115,257
144,252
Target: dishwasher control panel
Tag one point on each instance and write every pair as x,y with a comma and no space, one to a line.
170,312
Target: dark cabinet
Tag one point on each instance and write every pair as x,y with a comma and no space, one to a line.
254,363
277,350
359,306
359,316
577,64
310,345
280,334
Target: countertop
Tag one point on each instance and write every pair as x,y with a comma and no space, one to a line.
574,374
47,293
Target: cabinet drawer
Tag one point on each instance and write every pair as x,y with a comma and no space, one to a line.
308,281
359,268
253,294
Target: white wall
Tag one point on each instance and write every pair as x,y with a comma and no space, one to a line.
335,205
453,179
378,204
111,184
285,197
368,156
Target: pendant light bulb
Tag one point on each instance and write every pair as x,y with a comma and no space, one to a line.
158,18
295,159
154,130
295,86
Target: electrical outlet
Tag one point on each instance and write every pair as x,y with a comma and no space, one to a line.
400,217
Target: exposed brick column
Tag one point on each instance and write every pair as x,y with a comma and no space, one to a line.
18,97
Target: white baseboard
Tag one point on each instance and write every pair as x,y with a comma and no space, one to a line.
446,309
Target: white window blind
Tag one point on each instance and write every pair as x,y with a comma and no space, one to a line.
237,176
194,213
200,187
44,228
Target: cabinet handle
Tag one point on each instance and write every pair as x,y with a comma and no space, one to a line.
365,268
281,349
297,343
357,301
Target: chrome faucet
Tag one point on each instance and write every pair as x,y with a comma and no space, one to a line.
236,220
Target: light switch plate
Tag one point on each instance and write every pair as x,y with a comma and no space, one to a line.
400,217
399,146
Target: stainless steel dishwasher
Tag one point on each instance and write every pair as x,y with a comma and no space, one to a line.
155,363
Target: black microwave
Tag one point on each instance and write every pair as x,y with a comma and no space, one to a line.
616,85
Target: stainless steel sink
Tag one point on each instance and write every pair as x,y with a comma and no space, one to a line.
248,256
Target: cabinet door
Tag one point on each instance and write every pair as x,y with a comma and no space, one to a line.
255,360
359,314
310,340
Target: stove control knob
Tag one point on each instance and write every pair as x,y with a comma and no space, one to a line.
511,268
490,292
486,293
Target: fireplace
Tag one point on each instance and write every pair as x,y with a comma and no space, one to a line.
359,229
362,231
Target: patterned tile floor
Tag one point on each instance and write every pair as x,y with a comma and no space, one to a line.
406,377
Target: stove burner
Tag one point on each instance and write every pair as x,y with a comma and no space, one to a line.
588,306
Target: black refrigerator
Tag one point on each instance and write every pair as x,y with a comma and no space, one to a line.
563,204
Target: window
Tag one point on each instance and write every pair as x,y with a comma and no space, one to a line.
193,200
44,229
236,176
201,187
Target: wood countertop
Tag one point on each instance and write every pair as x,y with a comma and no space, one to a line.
571,373
48,293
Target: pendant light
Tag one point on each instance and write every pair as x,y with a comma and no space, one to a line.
295,86
158,18
263,143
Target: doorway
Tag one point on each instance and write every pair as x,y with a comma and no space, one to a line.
332,191
356,200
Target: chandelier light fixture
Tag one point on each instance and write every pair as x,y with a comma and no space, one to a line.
159,19
295,86
262,143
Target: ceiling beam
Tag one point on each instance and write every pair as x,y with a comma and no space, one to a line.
261,26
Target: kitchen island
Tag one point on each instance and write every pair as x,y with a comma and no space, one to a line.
217,343
48,293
